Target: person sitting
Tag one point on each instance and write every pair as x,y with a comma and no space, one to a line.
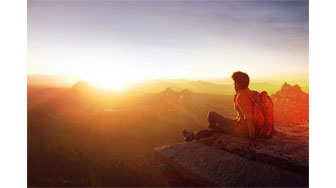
242,125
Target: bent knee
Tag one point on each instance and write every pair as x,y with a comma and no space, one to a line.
211,114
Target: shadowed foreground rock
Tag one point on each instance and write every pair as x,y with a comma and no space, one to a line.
224,160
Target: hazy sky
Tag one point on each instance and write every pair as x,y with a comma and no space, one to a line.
140,40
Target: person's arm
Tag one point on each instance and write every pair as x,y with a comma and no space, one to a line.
246,107
251,127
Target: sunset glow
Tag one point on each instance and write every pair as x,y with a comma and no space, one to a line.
108,83
118,89
113,43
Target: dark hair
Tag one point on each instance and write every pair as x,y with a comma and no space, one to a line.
241,79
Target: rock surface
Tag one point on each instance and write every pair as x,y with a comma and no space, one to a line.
224,160
286,150
207,166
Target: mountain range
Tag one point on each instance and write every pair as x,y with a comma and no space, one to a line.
213,86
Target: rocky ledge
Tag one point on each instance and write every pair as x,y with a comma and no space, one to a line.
224,160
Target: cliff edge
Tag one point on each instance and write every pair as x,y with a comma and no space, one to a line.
223,160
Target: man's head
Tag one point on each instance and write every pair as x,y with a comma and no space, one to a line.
241,80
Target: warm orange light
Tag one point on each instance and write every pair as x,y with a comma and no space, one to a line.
117,85
107,81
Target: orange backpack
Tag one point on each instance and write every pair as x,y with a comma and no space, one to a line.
263,113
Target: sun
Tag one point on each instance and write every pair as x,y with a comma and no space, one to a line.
114,85
108,76
107,82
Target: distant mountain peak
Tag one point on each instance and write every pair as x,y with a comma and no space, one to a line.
169,90
81,84
287,87
185,91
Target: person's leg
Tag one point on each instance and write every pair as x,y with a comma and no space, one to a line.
219,123
224,126
203,134
189,136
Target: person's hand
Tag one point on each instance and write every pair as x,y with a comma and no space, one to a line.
252,142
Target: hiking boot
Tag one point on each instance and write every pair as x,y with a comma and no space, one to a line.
188,136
